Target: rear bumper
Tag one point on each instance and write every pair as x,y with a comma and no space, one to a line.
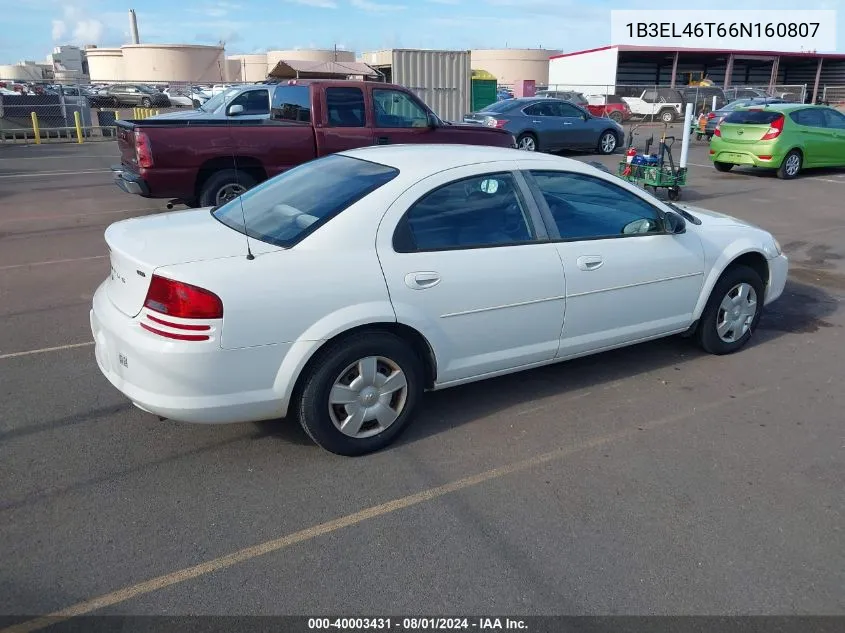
129,181
743,156
186,381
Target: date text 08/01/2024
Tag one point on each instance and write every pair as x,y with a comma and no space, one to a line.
417,624
722,29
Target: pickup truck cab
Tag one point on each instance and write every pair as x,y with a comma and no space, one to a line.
209,156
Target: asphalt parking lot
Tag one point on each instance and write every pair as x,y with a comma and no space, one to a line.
650,480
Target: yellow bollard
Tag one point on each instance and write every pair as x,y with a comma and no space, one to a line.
36,129
156,112
135,113
78,122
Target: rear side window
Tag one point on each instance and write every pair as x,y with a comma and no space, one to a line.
291,103
345,107
499,106
285,209
753,117
812,117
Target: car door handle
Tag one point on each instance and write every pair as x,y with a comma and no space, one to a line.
383,140
567,123
590,262
422,280
535,121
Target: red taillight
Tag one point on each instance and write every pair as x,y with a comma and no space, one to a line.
775,129
142,150
711,116
174,335
764,157
181,300
717,131
496,123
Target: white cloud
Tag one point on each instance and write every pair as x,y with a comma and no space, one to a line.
319,4
59,30
377,7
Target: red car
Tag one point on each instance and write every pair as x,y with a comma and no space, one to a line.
609,106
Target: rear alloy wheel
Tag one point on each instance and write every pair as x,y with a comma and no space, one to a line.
225,185
361,393
616,116
722,166
528,142
791,165
607,143
732,312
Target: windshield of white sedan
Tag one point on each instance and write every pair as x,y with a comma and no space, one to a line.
283,210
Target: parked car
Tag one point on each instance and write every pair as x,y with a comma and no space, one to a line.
787,137
742,92
184,97
380,261
609,106
545,125
716,117
203,161
564,95
666,104
702,97
136,95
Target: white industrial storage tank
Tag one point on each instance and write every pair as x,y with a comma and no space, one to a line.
509,65
21,72
251,67
173,62
105,64
309,55
440,78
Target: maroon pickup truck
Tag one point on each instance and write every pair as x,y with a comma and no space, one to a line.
205,157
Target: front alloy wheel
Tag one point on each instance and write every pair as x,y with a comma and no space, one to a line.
607,143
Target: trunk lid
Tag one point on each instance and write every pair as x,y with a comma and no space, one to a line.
138,246
126,144
748,126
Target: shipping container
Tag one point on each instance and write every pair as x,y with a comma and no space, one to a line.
440,78
483,93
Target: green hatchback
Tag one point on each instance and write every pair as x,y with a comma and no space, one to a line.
788,137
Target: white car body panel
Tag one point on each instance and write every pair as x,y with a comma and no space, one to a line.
641,107
493,311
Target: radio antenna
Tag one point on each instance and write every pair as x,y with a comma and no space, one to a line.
237,183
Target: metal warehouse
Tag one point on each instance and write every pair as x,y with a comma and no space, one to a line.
821,74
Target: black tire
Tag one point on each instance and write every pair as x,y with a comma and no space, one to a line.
604,144
219,181
708,337
722,166
787,171
146,103
529,140
196,104
667,116
616,116
674,193
313,407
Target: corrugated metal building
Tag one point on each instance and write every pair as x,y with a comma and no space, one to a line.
615,66
440,78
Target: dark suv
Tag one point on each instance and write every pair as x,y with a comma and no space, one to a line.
137,95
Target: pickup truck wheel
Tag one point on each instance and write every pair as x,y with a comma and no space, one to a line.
225,185
667,116
146,103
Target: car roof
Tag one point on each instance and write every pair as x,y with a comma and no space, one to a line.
782,107
419,161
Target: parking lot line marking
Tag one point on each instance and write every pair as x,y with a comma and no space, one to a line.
57,156
78,215
53,261
44,350
56,173
310,533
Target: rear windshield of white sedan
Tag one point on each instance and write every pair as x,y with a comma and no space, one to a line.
284,209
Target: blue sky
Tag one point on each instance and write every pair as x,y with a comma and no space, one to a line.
32,27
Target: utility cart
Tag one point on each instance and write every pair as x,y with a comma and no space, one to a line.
657,171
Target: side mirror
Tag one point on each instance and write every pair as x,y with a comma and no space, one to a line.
674,223
432,121
235,110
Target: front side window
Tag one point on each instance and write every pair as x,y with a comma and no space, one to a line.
345,107
396,109
284,209
469,213
253,101
567,110
585,207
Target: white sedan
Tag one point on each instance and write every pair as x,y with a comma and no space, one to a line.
341,290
